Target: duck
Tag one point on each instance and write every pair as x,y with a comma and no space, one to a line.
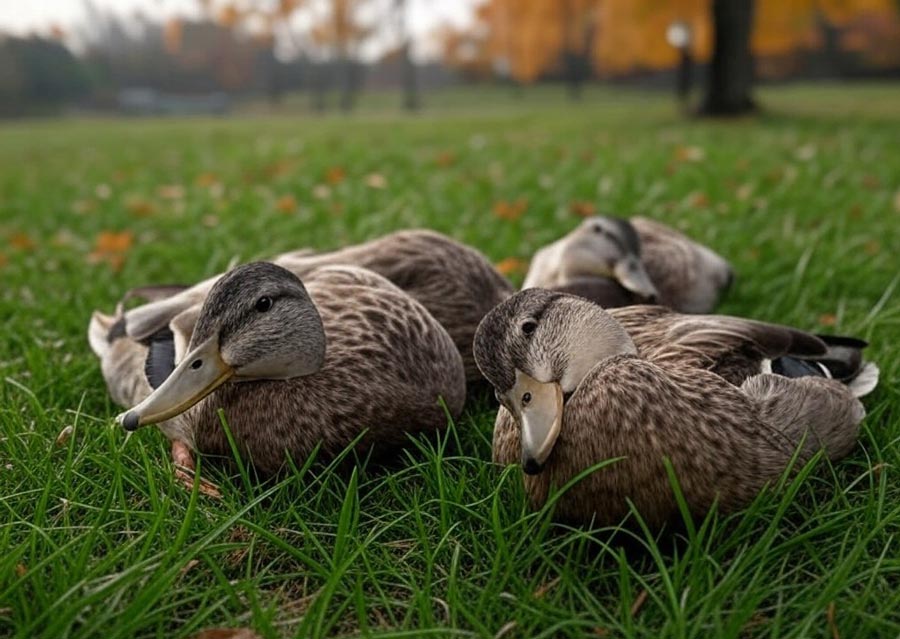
619,262
453,281
728,401
295,366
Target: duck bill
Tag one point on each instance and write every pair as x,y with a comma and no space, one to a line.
540,420
630,273
200,372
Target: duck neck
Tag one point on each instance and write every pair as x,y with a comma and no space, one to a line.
594,337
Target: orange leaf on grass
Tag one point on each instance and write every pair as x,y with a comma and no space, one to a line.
111,247
510,210
583,208
21,242
226,633
689,154
445,159
286,204
206,180
140,207
511,265
170,192
335,175
827,319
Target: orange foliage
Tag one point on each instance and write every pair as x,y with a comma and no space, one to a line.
527,38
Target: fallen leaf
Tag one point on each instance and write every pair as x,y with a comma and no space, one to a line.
21,242
639,602
689,154
321,192
64,436
445,159
286,204
185,476
583,208
511,265
830,615
187,567
81,207
21,570
376,181
110,247
698,200
170,192
510,211
872,247
544,588
871,182
140,207
600,631
335,175
806,152
827,319
227,633
206,180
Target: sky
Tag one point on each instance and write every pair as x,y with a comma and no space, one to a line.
21,17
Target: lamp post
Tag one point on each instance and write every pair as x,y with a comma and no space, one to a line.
679,36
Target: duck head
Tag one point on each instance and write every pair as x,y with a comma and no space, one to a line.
607,247
257,323
535,348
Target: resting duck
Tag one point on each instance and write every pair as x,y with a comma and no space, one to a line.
579,385
616,262
456,283
293,366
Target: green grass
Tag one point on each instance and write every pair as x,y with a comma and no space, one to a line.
98,540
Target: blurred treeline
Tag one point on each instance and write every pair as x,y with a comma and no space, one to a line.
333,49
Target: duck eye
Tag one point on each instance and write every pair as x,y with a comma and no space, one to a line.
526,398
263,304
197,363
529,327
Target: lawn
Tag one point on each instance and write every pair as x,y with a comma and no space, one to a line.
98,540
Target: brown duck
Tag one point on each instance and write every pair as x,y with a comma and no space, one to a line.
293,365
456,283
616,262
579,385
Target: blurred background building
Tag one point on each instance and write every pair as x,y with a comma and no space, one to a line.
219,56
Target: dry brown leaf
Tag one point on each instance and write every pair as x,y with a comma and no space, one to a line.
445,159
871,182
83,206
830,615
689,154
510,210
111,247
698,200
21,570
185,477
286,204
21,242
206,180
170,192
583,208
544,588
827,319
639,602
376,181
227,633
140,207
64,436
511,265
187,567
335,175
600,631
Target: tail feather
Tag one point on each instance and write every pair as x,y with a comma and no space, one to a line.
842,361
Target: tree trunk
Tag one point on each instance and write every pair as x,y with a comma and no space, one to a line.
730,81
